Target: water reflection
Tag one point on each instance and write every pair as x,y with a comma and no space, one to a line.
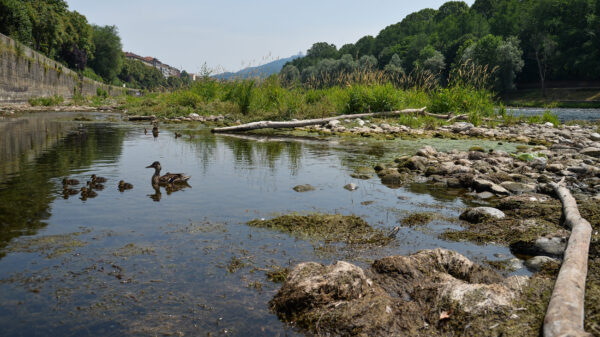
36,151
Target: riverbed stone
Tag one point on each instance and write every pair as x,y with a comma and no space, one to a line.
591,151
479,214
427,151
396,296
536,263
551,246
304,188
351,187
595,136
518,188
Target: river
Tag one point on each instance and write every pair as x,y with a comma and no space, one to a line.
160,262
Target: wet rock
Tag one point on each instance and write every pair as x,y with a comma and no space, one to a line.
479,214
333,123
396,296
591,151
485,195
351,187
427,151
461,126
551,246
304,188
536,263
416,163
518,188
482,185
555,167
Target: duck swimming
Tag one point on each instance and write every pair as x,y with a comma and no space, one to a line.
94,186
96,180
168,178
67,182
124,186
85,193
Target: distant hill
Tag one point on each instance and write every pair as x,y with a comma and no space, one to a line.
261,71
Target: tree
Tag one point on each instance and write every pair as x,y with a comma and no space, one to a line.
15,22
367,62
431,60
289,75
505,56
108,57
394,68
321,50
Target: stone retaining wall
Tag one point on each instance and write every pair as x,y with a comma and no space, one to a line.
25,74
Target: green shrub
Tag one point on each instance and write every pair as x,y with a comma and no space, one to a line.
46,101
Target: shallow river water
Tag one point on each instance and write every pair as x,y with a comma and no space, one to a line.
157,262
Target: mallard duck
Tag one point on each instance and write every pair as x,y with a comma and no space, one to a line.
94,186
168,178
67,182
155,129
96,179
69,191
124,186
87,193
177,135
145,131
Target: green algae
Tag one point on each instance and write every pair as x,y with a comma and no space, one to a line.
50,246
418,219
330,228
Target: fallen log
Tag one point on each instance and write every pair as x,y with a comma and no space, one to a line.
565,313
317,121
142,118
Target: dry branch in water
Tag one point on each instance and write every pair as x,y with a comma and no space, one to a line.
565,313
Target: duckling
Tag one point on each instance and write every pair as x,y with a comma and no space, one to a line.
85,193
177,135
155,130
94,186
69,191
96,179
168,178
145,131
124,186
67,182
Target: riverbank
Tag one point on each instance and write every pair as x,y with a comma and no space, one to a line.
439,292
583,98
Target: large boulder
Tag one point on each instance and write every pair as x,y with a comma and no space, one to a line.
396,296
479,214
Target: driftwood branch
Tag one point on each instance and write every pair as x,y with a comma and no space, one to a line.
142,118
307,122
565,313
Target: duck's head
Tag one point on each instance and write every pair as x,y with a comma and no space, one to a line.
84,189
121,183
65,181
93,177
155,165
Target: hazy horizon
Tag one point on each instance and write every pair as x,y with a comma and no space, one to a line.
231,35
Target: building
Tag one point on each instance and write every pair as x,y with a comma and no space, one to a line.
165,69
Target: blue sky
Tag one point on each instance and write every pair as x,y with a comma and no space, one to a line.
233,34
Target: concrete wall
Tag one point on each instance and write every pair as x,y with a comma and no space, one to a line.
25,74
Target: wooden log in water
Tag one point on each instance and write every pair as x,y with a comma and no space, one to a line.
142,118
317,121
565,313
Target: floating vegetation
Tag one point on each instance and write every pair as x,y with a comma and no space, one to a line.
132,249
278,274
349,229
50,246
418,219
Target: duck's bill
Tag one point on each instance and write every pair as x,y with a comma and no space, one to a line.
150,166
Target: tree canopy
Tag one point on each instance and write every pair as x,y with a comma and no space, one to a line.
524,40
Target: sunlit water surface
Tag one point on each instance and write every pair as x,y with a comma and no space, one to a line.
147,262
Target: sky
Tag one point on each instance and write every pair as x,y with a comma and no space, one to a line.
229,35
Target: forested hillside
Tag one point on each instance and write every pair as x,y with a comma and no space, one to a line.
524,41
49,27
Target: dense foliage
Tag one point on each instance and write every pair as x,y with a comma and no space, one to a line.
49,27
523,40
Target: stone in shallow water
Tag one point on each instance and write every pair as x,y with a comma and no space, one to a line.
304,188
551,246
518,188
536,263
351,187
478,214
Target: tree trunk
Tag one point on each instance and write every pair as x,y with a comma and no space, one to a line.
307,122
565,313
